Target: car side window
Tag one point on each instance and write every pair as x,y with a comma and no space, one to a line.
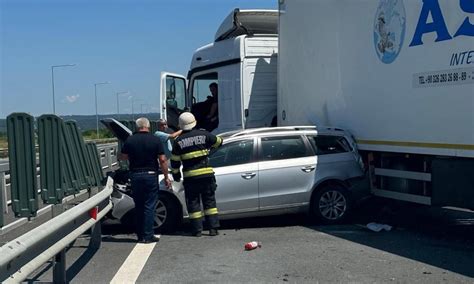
326,144
233,153
279,148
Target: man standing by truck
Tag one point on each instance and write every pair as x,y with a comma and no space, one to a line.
166,137
191,149
144,151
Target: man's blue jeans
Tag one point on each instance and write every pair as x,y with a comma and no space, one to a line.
145,194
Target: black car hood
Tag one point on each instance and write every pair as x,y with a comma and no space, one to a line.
118,129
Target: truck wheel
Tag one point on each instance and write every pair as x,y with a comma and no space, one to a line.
166,214
331,204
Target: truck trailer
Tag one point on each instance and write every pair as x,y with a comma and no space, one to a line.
398,75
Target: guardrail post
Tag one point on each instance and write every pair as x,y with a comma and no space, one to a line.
74,178
50,133
75,140
109,159
96,236
22,159
90,161
3,198
95,161
96,156
59,268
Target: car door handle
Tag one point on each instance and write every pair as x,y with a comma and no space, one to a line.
248,175
308,169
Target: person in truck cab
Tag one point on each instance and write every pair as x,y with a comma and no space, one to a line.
213,116
206,112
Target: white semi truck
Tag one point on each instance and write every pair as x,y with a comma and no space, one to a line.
243,61
399,75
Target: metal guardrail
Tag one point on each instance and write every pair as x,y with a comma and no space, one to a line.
68,167
4,151
22,256
108,161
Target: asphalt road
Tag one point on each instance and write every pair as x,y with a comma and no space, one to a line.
425,245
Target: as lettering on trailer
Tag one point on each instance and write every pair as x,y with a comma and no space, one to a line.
438,24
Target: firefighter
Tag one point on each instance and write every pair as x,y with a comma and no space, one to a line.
191,149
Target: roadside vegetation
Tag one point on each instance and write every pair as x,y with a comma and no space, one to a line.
3,145
3,140
104,134
91,134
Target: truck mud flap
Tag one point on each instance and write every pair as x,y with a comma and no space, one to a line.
453,183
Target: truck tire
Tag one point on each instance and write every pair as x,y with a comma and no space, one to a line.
331,204
166,214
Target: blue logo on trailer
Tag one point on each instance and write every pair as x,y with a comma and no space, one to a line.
389,29
437,24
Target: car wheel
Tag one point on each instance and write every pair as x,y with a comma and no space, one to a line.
166,214
331,204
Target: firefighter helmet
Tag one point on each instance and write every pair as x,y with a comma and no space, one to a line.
187,121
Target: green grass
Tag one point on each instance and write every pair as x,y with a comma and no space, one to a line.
92,134
87,135
3,140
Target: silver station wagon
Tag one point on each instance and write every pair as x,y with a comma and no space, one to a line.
267,171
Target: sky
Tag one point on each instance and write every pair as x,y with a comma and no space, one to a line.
124,42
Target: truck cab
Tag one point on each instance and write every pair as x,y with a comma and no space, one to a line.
242,61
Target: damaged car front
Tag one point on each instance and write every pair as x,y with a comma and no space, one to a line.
170,207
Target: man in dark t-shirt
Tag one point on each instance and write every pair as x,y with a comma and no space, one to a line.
144,151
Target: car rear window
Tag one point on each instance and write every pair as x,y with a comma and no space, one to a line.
326,144
278,148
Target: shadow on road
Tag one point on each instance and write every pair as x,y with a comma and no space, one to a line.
438,237
80,263
72,270
435,236
266,222
113,232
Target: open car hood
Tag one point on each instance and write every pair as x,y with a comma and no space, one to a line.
118,129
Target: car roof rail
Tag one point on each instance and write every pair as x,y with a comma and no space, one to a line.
228,133
272,129
331,128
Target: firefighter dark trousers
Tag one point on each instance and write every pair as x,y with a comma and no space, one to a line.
198,190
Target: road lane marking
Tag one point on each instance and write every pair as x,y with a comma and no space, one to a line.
133,265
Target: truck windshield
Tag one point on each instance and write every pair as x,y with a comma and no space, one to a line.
200,89
204,94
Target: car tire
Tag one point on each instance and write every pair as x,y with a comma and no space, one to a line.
331,204
166,214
